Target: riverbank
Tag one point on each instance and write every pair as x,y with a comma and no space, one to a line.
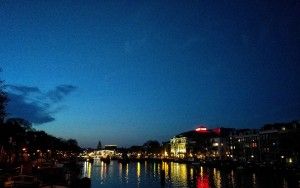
66,174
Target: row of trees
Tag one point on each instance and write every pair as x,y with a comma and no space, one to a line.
18,136
3,102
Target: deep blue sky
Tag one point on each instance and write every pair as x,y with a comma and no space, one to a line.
124,72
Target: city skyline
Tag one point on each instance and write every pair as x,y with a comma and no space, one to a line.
128,72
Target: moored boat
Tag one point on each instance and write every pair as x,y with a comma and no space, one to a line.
22,181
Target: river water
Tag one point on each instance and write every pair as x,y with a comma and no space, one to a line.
148,174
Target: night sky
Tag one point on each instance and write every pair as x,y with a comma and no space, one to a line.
124,72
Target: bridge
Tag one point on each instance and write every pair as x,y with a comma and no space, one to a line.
99,154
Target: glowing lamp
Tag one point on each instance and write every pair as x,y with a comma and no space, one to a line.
216,144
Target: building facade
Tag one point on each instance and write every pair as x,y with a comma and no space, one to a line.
272,144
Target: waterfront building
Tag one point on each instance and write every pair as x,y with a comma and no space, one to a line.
269,145
222,143
202,143
280,143
277,144
179,146
245,145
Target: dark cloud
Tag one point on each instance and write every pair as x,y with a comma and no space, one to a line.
32,111
25,90
35,106
60,92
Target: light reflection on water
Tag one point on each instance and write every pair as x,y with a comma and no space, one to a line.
138,172
148,174
87,169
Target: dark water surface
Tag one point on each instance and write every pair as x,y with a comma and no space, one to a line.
148,174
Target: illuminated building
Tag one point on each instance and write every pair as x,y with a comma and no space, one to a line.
203,142
221,143
179,146
272,144
189,143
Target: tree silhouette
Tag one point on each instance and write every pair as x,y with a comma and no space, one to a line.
152,146
17,134
72,145
3,101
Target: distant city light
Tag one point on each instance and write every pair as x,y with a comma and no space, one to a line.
216,144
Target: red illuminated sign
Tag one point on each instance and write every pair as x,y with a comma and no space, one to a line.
201,129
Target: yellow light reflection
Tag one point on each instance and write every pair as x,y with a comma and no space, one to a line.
179,174
138,172
201,172
87,169
217,178
127,171
166,168
138,169
183,173
192,172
